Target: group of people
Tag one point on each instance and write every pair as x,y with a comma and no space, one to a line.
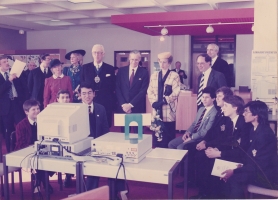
219,130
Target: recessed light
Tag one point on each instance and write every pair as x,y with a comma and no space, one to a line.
3,7
80,1
55,20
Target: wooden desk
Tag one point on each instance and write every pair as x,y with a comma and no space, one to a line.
186,109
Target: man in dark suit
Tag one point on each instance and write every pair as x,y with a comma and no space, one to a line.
180,71
131,86
209,76
98,122
101,76
37,77
12,96
218,63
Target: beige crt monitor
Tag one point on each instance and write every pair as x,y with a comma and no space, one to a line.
66,122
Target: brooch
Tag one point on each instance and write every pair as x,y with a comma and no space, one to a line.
254,152
222,127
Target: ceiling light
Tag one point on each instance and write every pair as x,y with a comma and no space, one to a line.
55,20
210,29
80,1
21,32
162,38
164,31
3,7
253,28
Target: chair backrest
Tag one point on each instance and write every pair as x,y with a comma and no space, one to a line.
12,141
96,194
243,89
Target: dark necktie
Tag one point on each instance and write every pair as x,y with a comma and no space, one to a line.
35,124
131,77
44,71
199,121
10,90
200,91
89,107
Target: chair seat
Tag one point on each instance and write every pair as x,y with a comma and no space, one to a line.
263,191
11,169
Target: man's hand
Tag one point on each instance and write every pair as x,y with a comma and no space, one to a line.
213,153
201,145
228,173
186,135
126,108
12,77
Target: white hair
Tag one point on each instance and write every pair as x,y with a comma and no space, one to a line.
99,46
215,46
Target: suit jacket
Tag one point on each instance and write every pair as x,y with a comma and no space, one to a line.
221,65
181,77
205,125
105,88
263,151
169,110
36,80
23,134
216,79
134,94
101,120
5,101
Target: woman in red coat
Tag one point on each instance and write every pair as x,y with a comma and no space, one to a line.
55,83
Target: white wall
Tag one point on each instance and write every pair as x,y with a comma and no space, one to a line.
113,39
244,47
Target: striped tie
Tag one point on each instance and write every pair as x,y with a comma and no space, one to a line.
200,91
199,121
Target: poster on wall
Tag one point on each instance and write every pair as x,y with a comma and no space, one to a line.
264,76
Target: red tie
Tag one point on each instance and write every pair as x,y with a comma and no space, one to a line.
199,122
131,77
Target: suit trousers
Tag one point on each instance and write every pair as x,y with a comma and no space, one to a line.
10,120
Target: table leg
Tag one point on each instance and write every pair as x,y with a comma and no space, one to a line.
6,179
185,175
79,178
170,180
46,178
112,188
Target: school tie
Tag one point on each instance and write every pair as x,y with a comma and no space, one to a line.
35,124
200,91
44,71
199,121
10,90
89,109
131,77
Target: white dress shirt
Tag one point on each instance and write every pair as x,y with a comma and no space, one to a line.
206,77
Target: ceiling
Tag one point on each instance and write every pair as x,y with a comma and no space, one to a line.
32,15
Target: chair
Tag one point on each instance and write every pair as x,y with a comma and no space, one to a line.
252,189
12,169
243,89
95,194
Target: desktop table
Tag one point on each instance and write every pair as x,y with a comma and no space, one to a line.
21,158
158,167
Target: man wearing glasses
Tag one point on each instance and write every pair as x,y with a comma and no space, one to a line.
101,77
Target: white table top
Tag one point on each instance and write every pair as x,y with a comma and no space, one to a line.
15,159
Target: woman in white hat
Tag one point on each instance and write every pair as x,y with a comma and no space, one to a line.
163,92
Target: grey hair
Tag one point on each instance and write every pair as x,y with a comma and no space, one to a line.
215,46
135,52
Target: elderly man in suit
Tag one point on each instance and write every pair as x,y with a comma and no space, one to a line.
180,71
101,76
209,76
218,63
131,86
37,77
13,92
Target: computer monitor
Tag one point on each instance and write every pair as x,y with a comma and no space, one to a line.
66,122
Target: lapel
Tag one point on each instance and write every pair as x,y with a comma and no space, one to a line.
2,77
125,76
216,62
96,113
207,115
211,77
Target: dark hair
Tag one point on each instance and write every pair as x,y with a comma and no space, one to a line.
30,103
170,59
177,62
225,90
235,101
209,90
85,85
206,56
260,109
43,56
62,92
3,57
